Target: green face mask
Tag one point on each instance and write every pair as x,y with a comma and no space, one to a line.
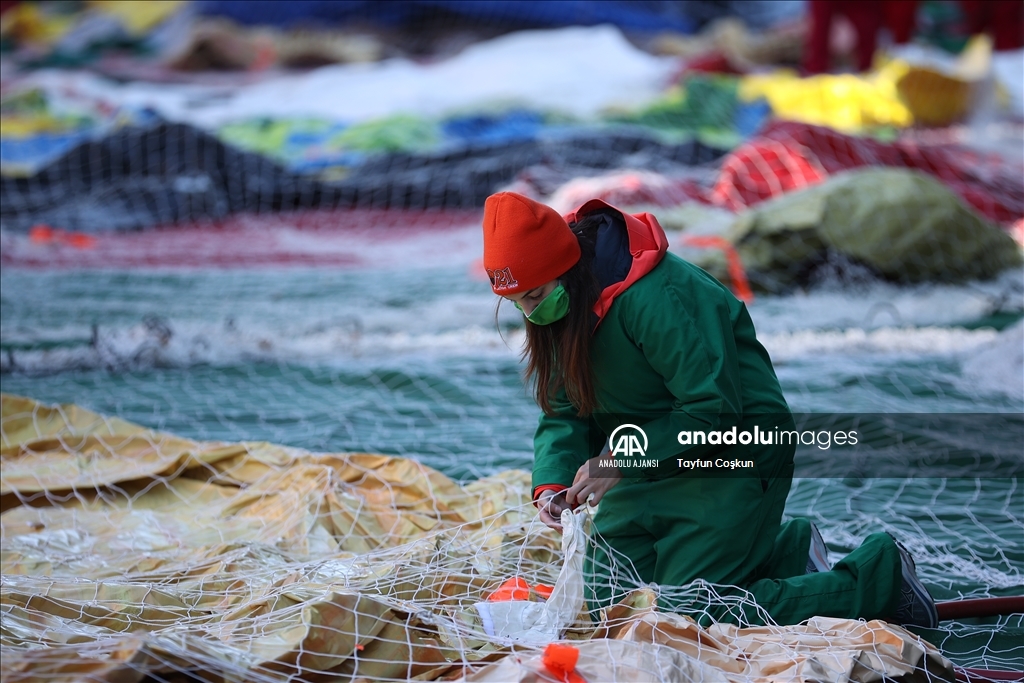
554,307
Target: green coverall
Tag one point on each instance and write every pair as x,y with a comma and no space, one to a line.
677,351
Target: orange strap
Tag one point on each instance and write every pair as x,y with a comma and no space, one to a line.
515,588
560,661
44,234
737,274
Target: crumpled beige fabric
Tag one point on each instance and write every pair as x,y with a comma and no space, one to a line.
157,553
649,645
129,553
617,661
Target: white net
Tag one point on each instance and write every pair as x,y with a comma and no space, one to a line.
131,554
276,271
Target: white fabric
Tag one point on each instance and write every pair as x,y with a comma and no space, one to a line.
536,623
576,70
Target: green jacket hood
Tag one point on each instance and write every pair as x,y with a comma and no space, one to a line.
648,244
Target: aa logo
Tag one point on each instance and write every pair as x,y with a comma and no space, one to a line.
628,441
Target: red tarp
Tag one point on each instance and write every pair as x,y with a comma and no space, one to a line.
786,156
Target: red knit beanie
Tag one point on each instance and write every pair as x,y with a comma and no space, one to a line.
526,244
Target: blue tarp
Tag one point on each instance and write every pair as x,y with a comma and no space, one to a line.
633,15
30,153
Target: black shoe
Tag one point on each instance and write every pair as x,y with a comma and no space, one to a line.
817,555
916,608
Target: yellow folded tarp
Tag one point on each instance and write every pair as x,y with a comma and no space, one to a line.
896,93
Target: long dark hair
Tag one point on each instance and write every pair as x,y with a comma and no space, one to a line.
558,355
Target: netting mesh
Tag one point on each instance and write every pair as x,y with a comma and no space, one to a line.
979,554
129,552
303,445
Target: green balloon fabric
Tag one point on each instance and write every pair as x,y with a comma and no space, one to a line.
902,225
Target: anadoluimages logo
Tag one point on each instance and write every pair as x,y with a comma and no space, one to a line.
625,441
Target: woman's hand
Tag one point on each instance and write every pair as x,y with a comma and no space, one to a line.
551,504
586,484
